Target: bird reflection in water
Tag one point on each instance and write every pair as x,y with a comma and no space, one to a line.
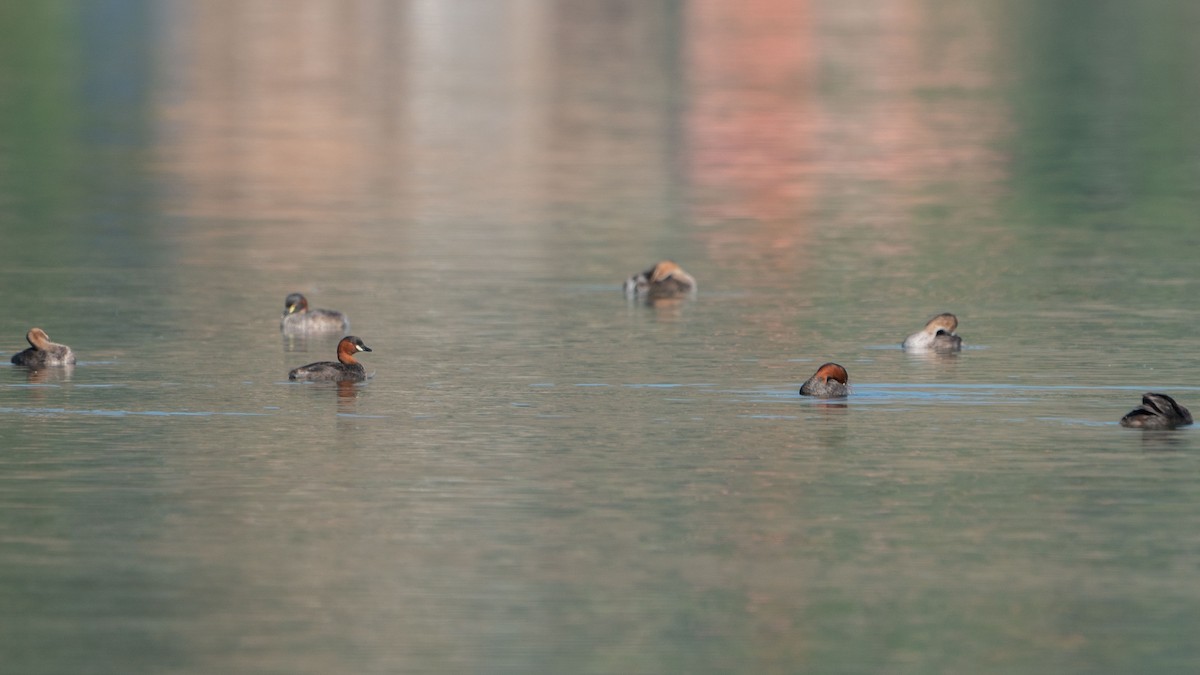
831,407
1164,440
666,307
49,375
933,357
347,396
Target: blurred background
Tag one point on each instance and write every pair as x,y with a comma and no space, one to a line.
543,476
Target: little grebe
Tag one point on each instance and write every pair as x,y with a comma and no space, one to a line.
298,318
665,279
830,381
346,369
1157,411
937,335
42,352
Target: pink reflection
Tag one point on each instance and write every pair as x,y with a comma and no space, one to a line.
275,111
751,124
841,114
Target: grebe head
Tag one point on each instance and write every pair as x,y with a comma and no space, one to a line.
295,303
667,269
946,322
833,371
348,347
38,339
663,269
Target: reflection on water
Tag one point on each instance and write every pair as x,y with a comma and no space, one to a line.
47,375
542,475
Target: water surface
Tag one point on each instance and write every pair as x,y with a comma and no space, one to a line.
542,476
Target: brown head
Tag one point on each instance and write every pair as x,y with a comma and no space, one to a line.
832,371
38,339
295,303
663,270
348,347
946,322
668,269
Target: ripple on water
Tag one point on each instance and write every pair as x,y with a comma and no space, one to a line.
124,413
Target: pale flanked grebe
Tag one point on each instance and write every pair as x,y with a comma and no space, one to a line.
345,370
298,318
830,381
666,279
937,335
1157,411
42,352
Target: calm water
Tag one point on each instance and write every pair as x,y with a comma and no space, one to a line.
541,476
